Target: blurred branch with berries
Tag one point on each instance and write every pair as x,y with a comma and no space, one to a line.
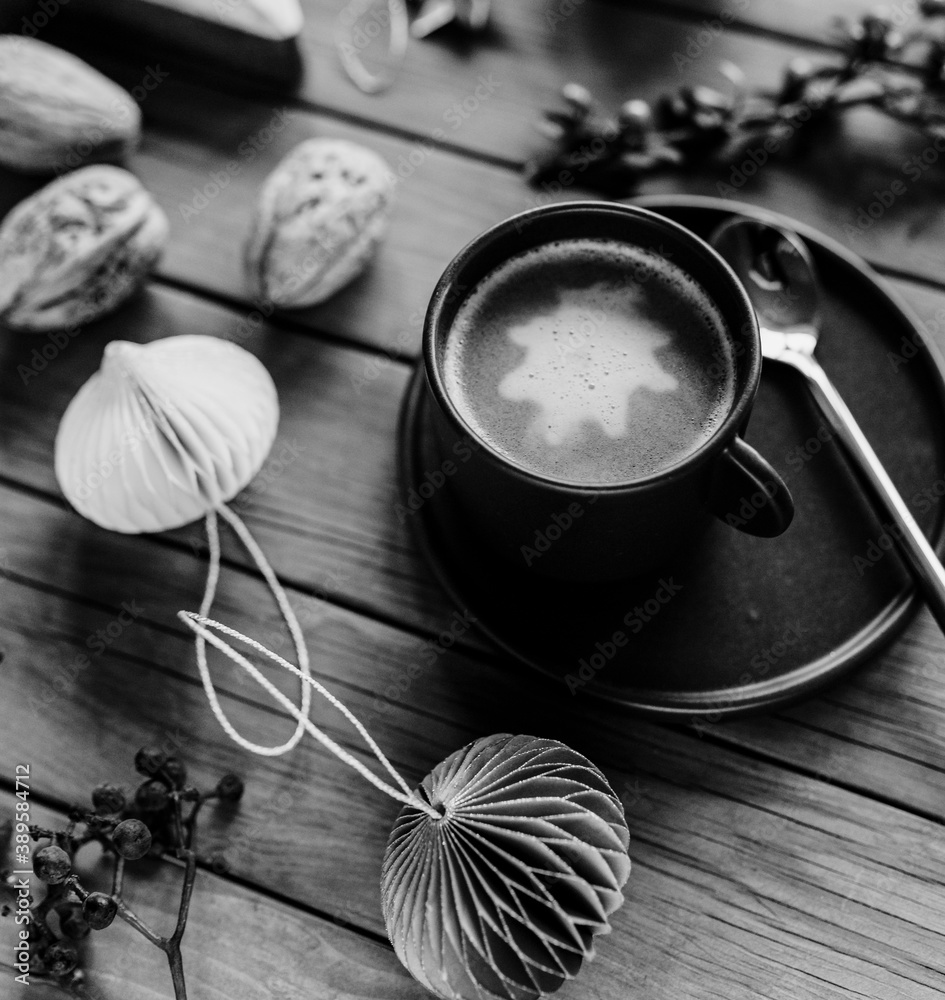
897,72
159,820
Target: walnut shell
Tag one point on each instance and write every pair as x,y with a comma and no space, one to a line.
77,248
319,217
57,112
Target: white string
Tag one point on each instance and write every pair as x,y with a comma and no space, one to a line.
398,31
301,651
202,626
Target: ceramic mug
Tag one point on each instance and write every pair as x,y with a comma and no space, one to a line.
598,533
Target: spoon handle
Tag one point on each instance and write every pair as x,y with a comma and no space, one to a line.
913,544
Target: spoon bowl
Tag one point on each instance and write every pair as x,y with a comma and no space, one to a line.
779,275
777,270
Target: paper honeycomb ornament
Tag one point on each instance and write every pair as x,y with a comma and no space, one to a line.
165,433
503,893
502,867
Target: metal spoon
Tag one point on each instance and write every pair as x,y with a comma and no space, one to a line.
778,273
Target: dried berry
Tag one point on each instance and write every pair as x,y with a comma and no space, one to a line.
175,772
108,798
696,124
219,864
578,99
164,812
75,928
51,864
152,796
230,788
150,760
71,922
60,959
132,839
99,910
635,118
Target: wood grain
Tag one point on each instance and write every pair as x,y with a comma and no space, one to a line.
268,949
796,855
325,508
832,184
746,875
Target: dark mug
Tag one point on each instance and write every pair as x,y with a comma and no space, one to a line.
602,531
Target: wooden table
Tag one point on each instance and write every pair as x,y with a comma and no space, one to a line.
796,855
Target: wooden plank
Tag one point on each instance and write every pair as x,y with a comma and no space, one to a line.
385,307
326,506
237,143
444,201
238,943
324,509
781,18
893,704
748,880
532,48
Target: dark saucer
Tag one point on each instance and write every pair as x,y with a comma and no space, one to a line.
743,623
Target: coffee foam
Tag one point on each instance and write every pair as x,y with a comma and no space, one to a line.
591,361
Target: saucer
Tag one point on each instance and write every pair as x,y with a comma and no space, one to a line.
740,624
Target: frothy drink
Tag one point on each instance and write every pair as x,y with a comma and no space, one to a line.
590,361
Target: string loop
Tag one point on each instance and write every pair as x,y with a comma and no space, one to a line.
349,46
301,650
203,627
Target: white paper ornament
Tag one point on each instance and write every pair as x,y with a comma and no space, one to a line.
501,895
503,865
165,433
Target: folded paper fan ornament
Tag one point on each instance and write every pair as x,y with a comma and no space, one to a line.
165,433
503,865
502,895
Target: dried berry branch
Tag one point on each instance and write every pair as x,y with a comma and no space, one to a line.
161,820
900,74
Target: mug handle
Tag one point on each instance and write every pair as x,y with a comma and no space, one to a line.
746,493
